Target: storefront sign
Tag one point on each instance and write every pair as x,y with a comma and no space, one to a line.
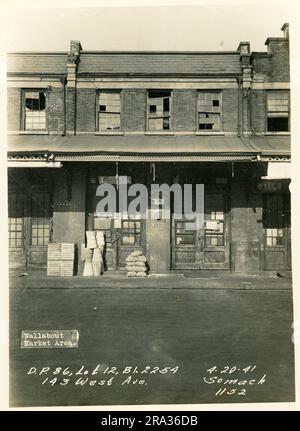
51,339
269,186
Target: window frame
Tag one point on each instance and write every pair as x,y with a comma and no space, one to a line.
23,111
111,132
267,111
169,130
209,131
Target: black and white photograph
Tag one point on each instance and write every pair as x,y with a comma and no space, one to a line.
148,196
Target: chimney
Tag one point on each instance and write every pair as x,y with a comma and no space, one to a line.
245,60
285,29
72,62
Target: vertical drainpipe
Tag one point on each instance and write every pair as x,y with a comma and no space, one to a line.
240,103
64,81
244,80
72,66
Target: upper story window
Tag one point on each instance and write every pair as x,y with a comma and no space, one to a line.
109,111
159,110
278,111
209,111
34,110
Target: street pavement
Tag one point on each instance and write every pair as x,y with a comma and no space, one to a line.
153,346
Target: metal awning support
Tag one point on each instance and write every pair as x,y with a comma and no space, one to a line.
278,171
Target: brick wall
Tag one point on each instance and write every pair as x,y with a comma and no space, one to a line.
134,105
13,109
258,110
184,110
70,110
246,225
85,110
55,110
230,110
280,60
273,66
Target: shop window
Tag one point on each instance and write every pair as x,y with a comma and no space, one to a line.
131,232
109,111
183,235
274,237
214,220
159,113
15,219
34,110
278,111
209,111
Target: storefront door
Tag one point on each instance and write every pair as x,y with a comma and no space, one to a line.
29,228
277,240
208,247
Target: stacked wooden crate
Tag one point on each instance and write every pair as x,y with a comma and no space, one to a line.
60,260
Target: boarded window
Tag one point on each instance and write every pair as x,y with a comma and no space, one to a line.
209,111
278,111
35,110
109,111
159,114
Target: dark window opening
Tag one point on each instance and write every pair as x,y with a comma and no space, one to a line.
278,124
102,108
152,109
166,105
205,126
216,103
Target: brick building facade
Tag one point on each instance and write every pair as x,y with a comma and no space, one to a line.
221,119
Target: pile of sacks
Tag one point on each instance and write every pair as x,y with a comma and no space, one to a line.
136,265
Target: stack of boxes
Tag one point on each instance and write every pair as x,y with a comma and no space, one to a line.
60,261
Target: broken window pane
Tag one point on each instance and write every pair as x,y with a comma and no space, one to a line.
159,110
109,110
35,110
209,111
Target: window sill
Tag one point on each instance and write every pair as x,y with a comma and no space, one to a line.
209,133
278,133
160,133
33,132
109,133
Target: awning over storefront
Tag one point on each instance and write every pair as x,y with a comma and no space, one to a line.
146,147
32,164
278,171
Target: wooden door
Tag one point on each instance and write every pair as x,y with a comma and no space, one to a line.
17,229
131,237
214,243
39,227
276,223
208,247
29,216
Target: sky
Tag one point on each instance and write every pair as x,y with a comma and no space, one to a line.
162,26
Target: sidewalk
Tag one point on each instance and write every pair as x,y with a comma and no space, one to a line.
187,280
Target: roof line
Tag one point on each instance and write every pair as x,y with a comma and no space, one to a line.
37,53
110,52
160,52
